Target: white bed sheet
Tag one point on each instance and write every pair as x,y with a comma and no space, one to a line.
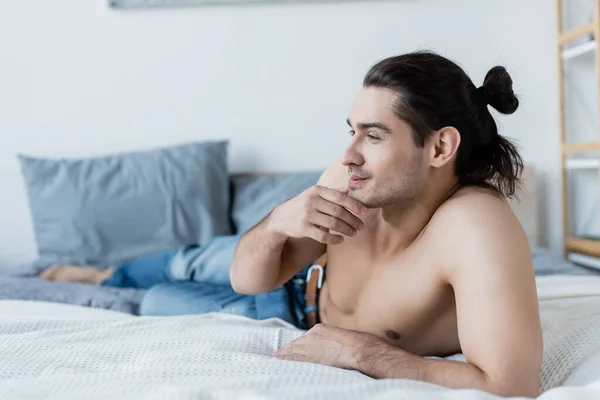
46,310
218,356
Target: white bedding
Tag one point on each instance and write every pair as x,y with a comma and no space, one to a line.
218,356
21,309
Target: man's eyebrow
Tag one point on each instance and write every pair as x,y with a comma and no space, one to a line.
367,125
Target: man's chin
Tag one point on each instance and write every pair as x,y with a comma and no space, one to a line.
360,196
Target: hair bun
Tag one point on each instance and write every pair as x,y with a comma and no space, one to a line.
485,95
498,92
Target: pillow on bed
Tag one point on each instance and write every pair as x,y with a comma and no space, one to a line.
547,262
108,209
254,197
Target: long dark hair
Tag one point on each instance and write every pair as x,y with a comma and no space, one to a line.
434,92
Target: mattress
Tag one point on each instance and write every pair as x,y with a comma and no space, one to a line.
53,355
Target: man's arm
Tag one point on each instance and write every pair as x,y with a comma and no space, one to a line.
294,234
266,258
491,272
381,360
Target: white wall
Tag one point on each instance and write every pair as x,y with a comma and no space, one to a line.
80,79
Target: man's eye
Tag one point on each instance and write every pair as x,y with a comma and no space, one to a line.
372,137
351,133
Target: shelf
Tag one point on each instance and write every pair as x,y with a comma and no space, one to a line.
572,52
588,247
575,33
586,261
582,163
580,147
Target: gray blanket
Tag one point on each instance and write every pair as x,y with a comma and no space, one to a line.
22,283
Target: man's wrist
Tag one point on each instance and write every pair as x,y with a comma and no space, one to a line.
362,353
275,234
356,357
379,359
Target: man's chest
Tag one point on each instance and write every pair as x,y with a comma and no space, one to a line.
400,300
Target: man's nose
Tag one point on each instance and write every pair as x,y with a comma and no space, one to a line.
352,155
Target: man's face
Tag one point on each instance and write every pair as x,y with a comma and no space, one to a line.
384,165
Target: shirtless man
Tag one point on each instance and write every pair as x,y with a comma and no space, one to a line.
424,255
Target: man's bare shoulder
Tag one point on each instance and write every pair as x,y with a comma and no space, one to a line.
470,203
478,223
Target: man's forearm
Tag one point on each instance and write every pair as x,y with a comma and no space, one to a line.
257,259
383,361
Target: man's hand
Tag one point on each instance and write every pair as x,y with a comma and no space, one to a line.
316,211
295,234
327,345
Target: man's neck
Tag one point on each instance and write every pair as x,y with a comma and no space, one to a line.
405,222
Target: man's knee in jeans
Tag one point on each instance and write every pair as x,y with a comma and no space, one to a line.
184,298
168,299
154,302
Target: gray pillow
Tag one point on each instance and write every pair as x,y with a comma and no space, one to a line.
254,197
109,209
547,262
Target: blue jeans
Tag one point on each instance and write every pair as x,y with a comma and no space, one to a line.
195,280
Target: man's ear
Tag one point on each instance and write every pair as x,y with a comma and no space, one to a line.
444,146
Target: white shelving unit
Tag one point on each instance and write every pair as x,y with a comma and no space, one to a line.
579,50
588,261
583,42
582,163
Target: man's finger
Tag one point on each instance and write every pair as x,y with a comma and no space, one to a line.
321,235
333,223
291,357
342,199
339,212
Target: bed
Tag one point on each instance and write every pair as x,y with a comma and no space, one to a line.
60,351
84,341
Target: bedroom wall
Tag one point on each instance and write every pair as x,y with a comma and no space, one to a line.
80,79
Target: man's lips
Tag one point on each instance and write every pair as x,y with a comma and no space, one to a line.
354,177
355,181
